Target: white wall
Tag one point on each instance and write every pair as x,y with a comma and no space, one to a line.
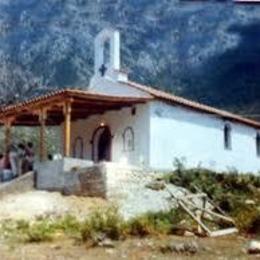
110,86
118,121
177,132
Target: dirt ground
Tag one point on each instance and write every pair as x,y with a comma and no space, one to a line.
148,248
40,203
34,204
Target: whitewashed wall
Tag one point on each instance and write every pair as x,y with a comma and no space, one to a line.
118,121
177,132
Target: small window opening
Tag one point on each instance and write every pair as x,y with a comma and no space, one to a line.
227,137
258,144
106,53
133,111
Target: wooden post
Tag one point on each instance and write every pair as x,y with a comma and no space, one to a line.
8,125
43,148
67,129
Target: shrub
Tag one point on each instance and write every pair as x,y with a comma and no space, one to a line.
156,223
39,232
69,225
229,190
107,222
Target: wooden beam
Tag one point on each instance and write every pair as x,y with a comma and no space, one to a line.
67,129
43,148
8,132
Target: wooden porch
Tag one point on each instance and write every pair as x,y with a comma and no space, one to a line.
56,108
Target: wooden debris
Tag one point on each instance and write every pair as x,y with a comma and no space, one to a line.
198,213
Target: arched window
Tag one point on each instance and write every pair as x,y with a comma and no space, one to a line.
78,148
258,144
128,139
227,137
106,52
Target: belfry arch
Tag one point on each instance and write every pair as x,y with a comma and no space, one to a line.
111,38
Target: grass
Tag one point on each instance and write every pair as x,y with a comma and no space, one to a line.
106,223
41,230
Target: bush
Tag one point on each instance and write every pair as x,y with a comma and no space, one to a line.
157,223
39,232
230,190
107,222
69,225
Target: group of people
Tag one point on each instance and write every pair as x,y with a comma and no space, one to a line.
17,160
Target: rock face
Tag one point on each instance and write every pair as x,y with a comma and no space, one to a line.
254,247
166,44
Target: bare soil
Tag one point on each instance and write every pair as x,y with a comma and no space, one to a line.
35,204
149,248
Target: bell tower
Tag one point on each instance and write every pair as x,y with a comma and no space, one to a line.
112,39
107,56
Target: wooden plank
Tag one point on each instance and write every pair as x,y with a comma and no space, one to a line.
212,202
203,226
223,232
198,217
228,219
195,196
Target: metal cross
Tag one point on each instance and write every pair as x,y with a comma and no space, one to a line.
103,70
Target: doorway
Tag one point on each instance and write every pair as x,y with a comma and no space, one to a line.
101,144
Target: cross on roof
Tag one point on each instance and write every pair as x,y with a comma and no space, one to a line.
103,70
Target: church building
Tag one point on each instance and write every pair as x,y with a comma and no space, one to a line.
124,122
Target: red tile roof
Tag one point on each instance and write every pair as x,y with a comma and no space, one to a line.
70,93
194,105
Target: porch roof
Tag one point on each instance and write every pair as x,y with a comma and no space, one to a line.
83,104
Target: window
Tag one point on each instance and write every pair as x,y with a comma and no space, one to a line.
128,139
258,144
78,148
227,137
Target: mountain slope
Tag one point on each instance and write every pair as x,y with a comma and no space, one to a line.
205,51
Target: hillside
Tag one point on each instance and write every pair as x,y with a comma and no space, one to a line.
207,51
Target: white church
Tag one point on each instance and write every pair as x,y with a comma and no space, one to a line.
124,122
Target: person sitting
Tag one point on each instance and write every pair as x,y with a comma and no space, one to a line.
21,158
29,156
12,160
2,166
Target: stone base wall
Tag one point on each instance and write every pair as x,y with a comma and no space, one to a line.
55,175
121,180
125,185
106,180
89,182
19,185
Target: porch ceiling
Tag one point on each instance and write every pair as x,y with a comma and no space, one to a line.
83,104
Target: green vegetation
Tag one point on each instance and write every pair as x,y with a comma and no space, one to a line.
107,222
40,230
236,193
99,224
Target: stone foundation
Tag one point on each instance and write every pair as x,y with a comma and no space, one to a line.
56,175
124,185
106,180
